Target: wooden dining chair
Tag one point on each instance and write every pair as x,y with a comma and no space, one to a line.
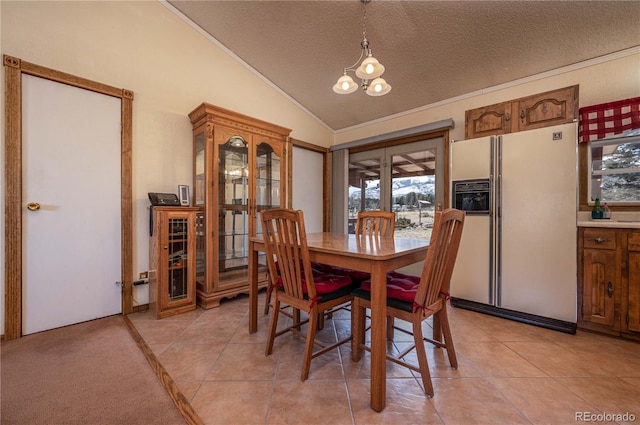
376,223
415,300
297,285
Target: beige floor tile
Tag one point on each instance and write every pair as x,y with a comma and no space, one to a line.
556,360
189,362
310,402
610,395
494,359
542,400
233,402
243,362
473,401
508,372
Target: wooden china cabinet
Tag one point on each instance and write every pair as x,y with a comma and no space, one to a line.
240,169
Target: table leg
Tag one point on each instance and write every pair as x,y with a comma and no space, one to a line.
253,288
378,338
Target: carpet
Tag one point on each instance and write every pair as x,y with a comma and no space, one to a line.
92,373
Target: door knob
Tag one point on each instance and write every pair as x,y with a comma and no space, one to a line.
33,206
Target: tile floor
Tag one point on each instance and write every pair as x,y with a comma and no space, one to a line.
509,373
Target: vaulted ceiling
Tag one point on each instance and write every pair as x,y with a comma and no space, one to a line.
432,50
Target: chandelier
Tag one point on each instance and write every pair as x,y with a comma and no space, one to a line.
369,70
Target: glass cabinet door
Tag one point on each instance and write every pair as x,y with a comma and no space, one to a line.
178,254
233,208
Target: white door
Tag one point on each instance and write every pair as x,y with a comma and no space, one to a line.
71,168
538,226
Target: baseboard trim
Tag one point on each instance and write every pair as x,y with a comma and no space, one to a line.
531,319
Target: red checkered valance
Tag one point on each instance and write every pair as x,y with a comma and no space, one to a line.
607,119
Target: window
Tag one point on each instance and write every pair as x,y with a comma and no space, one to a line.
406,179
615,169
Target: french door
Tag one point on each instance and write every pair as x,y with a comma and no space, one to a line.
407,179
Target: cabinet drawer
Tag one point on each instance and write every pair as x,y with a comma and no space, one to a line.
599,238
634,241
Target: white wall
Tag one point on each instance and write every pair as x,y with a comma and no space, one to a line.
171,68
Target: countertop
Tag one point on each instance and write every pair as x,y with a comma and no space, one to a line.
620,220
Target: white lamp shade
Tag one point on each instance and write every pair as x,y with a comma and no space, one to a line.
369,68
378,87
345,85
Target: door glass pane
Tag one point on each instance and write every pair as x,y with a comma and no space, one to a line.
413,192
198,190
178,252
233,194
267,181
364,188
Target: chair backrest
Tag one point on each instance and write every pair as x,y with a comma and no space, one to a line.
376,223
441,256
285,241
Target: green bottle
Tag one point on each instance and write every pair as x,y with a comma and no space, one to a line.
596,213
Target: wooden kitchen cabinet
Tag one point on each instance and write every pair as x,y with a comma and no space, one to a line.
540,110
609,281
240,169
172,260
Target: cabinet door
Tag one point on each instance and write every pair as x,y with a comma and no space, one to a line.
492,120
232,195
179,260
600,287
546,109
633,306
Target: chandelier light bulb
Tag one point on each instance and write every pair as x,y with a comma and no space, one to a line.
378,87
370,68
345,85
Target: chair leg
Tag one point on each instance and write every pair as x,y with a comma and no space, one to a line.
422,356
448,339
437,328
390,330
308,349
273,325
267,301
357,329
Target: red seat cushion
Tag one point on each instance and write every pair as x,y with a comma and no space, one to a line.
325,283
355,275
400,286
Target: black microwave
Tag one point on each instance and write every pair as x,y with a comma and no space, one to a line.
472,196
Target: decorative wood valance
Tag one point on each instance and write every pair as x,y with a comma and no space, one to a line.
608,119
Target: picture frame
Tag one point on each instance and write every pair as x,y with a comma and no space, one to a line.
183,194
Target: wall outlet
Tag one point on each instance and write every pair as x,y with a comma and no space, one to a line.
557,135
143,275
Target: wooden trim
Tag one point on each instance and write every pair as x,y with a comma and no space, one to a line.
126,202
309,146
14,68
181,402
13,199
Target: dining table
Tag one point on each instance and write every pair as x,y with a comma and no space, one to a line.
376,255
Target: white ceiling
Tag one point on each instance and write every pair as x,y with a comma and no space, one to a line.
432,50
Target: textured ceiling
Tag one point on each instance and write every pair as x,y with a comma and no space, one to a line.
432,50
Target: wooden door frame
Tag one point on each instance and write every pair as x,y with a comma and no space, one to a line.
14,68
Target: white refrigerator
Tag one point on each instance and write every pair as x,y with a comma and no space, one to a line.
519,259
